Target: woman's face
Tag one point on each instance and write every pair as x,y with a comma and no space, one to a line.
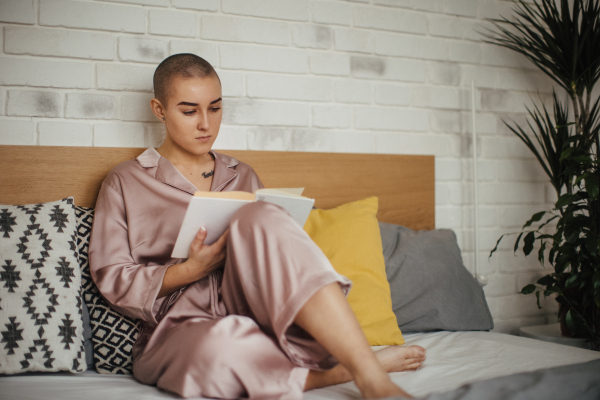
193,113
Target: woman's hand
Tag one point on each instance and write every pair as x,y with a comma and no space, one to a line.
203,259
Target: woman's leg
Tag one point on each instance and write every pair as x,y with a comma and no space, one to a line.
330,320
227,358
275,274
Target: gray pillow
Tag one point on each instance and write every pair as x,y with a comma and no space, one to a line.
431,289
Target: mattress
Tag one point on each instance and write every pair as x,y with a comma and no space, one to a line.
453,359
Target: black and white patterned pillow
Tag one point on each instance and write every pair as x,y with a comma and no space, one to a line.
113,334
40,289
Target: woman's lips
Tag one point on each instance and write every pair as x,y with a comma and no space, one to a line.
203,138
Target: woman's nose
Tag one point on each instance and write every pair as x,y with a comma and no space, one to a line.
204,123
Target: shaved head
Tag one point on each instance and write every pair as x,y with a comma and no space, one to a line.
185,65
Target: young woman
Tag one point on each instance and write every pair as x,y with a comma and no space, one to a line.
260,313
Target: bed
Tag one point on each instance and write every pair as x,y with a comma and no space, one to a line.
405,187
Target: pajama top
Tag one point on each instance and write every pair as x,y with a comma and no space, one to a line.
230,334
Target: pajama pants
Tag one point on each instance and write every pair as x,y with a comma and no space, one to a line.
231,334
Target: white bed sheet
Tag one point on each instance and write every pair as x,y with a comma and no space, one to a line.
456,358
453,359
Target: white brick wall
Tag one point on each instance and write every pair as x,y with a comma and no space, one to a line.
30,103
142,50
296,10
92,15
172,23
378,76
17,11
89,106
234,29
58,42
64,134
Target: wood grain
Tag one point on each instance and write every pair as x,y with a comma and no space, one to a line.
404,184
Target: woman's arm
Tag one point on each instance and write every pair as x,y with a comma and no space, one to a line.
203,259
130,287
133,288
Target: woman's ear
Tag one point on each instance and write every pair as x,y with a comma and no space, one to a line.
157,108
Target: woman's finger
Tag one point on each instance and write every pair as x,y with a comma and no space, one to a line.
200,237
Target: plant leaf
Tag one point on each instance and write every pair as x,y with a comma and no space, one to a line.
528,243
537,295
517,241
569,322
564,200
535,218
567,152
528,289
571,281
496,247
596,280
547,280
591,244
541,252
591,186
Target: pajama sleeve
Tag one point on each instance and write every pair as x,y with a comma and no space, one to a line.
130,288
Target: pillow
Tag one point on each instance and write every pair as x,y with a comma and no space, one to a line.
40,289
87,338
349,236
83,237
431,288
113,334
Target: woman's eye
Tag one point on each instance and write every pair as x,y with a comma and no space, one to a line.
215,109
189,112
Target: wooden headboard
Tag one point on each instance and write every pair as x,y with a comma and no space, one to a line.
404,184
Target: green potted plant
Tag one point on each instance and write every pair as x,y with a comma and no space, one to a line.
563,40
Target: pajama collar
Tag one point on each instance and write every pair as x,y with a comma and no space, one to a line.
164,171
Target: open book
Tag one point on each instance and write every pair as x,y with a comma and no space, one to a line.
213,210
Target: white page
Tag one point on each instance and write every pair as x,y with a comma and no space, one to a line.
298,207
212,213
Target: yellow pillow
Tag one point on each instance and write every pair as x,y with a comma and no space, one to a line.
349,236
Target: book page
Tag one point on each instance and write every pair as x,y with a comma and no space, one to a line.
298,206
212,213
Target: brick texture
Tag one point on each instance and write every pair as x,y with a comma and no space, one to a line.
64,134
142,50
17,132
17,11
90,106
235,29
296,10
376,76
58,43
172,23
45,73
33,103
204,5
92,15
124,77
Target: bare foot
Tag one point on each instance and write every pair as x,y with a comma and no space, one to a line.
390,359
401,358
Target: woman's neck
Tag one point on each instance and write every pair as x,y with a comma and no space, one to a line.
182,158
